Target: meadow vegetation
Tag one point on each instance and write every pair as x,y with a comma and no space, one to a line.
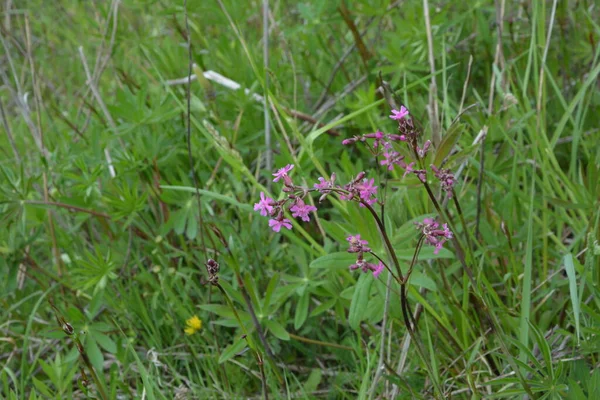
134,263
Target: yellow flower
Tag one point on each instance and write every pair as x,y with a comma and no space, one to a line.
193,325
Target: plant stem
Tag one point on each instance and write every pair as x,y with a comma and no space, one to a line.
247,337
386,239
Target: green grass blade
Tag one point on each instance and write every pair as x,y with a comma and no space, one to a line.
527,278
570,268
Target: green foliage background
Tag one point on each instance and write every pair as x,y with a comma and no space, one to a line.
122,258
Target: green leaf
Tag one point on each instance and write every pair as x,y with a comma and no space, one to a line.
221,310
192,227
544,348
323,307
210,195
568,205
417,278
360,300
570,267
594,383
426,253
313,381
232,350
301,310
269,292
527,278
448,142
277,330
178,219
105,342
575,391
338,260
42,387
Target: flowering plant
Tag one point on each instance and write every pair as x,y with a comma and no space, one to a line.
362,190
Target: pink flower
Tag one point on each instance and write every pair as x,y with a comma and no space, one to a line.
356,240
377,135
399,114
394,137
352,140
367,266
264,205
447,232
433,235
366,190
422,152
446,179
276,224
378,269
391,158
301,210
420,173
357,245
324,186
282,172
408,169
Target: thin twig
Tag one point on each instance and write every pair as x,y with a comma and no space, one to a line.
465,85
92,85
69,207
233,85
406,341
498,59
9,135
543,64
269,151
189,129
380,364
340,62
480,180
19,98
433,106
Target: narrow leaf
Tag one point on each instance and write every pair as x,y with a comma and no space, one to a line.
360,300
570,267
448,142
301,310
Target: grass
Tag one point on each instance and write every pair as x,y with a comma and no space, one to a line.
103,246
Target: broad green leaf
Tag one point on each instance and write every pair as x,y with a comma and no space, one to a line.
210,195
417,278
42,387
105,342
575,391
269,292
360,300
232,350
301,310
323,307
338,260
277,330
312,383
426,253
448,142
223,311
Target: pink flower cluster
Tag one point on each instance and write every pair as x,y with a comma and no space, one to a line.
383,146
361,189
446,178
360,246
269,207
434,236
